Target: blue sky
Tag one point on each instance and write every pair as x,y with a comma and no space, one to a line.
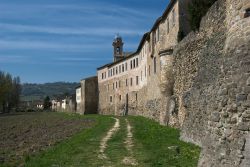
66,40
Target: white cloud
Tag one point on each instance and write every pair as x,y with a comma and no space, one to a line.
97,31
9,44
78,59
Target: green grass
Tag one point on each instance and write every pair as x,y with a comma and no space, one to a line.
80,150
151,147
117,150
152,142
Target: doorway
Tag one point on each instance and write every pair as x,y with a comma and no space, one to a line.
126,105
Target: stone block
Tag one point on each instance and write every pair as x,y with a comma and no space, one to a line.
231,85
241,97
246,115
243,126
248,81
233,121
246,104
215,117
232,108
225,115
246,90
223,92
224,102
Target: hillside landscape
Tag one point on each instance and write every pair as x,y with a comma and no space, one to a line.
40,91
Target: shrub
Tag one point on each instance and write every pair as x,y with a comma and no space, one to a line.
197,9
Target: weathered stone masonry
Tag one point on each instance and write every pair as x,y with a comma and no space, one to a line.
212,71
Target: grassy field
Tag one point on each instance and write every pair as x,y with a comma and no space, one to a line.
153,145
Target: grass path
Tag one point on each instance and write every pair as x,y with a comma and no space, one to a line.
130,160
120,142
103,144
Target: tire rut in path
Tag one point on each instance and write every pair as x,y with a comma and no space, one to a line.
130,160
104,141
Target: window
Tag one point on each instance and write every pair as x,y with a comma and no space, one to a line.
167,25
110,99
131,64
173,14
134,63
137,80
155,65
154,34
137,62
118,50
116,69
158,34
116,85
120,69
149,70
149,47
113,86
131,81
108,87
102,76
113,71
136,97
126,66
120,97
123,68
119,84
247,13
126,82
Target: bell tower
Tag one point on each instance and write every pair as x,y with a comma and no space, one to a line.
118,48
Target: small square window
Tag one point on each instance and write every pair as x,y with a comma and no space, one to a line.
247,13
137,80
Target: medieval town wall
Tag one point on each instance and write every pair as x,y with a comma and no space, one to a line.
212,85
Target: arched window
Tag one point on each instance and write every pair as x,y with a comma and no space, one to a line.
118,50
155,65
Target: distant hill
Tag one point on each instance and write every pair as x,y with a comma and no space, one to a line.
40,91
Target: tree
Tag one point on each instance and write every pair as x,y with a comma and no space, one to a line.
47,104
197,9
10,90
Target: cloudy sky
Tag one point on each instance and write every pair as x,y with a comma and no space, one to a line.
66,40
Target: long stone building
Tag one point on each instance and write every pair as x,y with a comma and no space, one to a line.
139,83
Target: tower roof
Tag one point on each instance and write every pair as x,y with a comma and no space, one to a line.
117,36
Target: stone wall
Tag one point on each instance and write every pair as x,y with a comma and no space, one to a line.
212,86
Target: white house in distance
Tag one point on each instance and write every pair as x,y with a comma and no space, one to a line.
78,98
64,103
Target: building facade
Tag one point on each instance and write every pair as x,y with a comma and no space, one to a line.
141,83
